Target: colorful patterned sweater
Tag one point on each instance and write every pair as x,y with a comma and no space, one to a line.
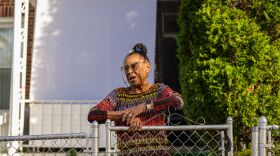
143,142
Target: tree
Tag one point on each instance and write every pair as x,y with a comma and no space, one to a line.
229,53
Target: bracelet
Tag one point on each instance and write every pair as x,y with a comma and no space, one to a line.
149,105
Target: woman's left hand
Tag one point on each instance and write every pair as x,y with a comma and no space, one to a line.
131,113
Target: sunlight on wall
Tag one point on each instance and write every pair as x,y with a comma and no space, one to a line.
79,46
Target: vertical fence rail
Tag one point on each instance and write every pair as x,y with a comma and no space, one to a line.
262,135
269,142
230,135
95,133
223,143
108,137
255,143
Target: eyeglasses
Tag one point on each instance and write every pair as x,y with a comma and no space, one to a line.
134,66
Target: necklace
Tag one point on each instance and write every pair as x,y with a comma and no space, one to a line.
140,90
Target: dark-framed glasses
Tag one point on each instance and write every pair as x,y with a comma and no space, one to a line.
134,66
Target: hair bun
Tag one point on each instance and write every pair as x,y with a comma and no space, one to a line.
140,48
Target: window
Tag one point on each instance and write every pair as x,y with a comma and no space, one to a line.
169,24
6,49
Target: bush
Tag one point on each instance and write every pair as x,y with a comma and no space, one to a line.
246,152
229,62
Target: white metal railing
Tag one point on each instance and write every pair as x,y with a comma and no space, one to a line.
58,116
61,101
47,110
44,144
206,139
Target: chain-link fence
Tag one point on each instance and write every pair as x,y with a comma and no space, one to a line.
159,141
181,140
55,144
185,140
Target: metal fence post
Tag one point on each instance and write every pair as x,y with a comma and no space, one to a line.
230,135
255,131
269,142
108,137
262,135
94,146
223,143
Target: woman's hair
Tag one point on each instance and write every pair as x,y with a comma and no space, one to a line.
141,50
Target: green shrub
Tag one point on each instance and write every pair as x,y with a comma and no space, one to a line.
230,62
246,152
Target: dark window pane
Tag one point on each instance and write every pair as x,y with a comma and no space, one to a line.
5,81
170,23
6,49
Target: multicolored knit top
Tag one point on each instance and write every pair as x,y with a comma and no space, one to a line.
150,142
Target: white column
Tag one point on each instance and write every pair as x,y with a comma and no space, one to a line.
23,58
17,97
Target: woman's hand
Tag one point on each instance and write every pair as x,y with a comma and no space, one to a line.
135,125
130,114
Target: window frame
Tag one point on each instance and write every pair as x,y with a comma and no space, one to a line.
7,23
164,33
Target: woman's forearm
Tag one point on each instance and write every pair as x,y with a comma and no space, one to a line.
174,100
114,115
102,116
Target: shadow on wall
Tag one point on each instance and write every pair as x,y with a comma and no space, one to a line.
78,45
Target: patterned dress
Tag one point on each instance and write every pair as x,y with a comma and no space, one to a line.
143,142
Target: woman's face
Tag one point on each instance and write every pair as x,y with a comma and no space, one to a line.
136,69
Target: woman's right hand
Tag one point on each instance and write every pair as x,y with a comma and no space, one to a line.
131,113
135,125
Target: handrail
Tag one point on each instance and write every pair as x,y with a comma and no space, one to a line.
175,128
60,101
43,137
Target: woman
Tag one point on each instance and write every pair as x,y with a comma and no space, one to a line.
140,104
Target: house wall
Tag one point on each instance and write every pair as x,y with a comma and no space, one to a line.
79,47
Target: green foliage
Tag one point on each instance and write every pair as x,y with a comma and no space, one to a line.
229,55
246,152
265,12
72,152
276,148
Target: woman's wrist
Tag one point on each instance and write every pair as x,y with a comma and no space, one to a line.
120,114
149,105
